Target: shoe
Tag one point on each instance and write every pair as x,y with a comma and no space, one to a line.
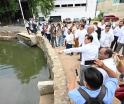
79,59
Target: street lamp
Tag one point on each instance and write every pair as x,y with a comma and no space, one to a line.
22,11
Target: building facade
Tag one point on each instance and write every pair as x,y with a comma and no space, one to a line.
74,9
111,7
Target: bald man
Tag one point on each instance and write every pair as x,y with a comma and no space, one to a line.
91,31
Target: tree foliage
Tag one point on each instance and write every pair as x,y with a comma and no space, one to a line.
8,6
46,6
7,10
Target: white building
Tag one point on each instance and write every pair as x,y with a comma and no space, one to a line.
74,9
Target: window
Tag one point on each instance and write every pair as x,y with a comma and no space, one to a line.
121,1
77,4
64,5
70,5
83,4
57,5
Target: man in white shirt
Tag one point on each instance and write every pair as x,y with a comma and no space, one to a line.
105,54
121,40
106,37
91,31
80,35
117,32
89,53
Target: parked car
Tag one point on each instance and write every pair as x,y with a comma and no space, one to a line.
76,20
55,19
67,20
110,17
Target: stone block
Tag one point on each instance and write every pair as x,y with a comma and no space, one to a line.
45,87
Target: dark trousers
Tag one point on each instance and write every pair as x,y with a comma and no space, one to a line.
53,42
48,36
114,43
119,46
82,69
68,46
28,30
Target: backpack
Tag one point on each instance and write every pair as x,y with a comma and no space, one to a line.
91,100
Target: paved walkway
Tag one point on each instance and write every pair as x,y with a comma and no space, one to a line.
70,63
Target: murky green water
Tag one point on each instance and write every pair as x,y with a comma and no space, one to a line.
21,67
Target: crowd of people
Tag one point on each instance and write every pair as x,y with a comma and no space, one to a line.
96,44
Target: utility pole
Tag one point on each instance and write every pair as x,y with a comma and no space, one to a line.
22,11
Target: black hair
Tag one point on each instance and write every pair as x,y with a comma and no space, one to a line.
95,23
89,37
109,52
93,77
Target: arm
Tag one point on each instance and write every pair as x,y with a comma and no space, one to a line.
79,49
100,64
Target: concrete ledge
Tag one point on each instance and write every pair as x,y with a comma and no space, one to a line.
7,38
45,87
56,70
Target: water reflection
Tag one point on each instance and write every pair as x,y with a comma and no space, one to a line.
21,67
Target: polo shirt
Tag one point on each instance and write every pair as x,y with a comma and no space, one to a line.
110,84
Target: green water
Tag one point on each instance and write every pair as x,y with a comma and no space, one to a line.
21,67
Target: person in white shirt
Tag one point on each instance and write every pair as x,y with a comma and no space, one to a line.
80,35
116,32
120,42
89,50
27,26
91,31
102,25
89,53
106,37
105,55
69,39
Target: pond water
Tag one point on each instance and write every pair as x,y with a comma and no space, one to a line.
21,67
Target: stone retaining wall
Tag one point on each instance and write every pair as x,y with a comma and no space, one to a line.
58,75
8,35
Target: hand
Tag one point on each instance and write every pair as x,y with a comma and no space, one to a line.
60,52
99,63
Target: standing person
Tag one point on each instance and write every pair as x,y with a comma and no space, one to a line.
89,20
80,34
94,91
89,53
59,34
34,25
106,37
91,31
80,37
98,30
53,36
27,26
47,32
69,39
41,28
120,43
117,33
31,25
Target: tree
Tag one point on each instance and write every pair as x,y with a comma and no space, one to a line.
7,9
46,6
